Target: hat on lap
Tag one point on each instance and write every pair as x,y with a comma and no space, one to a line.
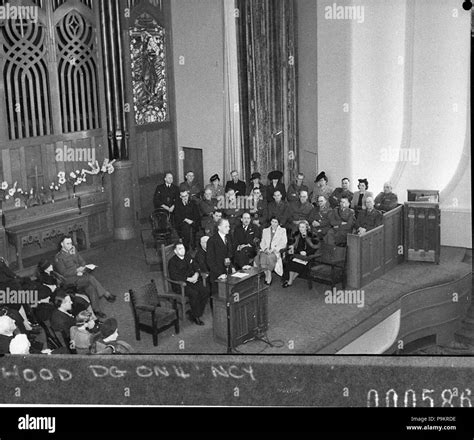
108,328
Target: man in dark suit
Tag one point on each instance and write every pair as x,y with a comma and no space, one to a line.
183,268
246,239
166,195
369,218
219,250
186,219
237,185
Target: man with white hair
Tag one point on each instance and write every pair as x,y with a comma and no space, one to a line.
7,327
386,200
369,218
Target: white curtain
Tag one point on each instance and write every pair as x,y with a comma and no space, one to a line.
233,157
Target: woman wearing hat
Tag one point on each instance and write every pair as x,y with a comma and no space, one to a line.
107,342
256,182
275,184
321,188
216,187
360,197
299,253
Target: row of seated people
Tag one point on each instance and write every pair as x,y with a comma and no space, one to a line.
65,298
167,194
192,221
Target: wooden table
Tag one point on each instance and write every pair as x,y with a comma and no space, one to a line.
240,310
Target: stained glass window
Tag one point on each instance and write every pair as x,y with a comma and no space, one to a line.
148,61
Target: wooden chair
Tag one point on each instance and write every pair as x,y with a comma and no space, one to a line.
152,315
330,267
161,226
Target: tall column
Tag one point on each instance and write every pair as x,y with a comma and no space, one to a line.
117,123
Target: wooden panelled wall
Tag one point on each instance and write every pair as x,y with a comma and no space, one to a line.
51,103
152,144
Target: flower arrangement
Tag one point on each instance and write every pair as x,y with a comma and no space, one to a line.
101,171
54,187
72,180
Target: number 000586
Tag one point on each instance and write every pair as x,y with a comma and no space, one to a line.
450,397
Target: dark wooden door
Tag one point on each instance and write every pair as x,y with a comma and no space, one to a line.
193,162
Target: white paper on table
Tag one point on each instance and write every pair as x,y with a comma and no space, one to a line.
90,266
297,260
240,275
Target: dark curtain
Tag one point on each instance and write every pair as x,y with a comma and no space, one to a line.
267,35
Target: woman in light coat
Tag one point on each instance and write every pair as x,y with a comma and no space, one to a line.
273,240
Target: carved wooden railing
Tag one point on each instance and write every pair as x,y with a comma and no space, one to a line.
376,252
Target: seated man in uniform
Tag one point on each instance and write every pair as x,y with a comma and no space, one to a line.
207,205
300,211
183,268
294,189
166,194
319,218
278,208
386,200
246,239
232,211
342,221
343,191
69,263
368,219
186,219
191,187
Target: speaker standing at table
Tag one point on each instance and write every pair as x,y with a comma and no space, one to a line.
219,248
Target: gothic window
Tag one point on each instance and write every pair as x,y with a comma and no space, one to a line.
77,72
26,78
149,71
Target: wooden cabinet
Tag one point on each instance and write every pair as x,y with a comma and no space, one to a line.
240,309
422,232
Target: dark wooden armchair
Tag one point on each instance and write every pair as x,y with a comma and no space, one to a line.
161,226
152,312
329,267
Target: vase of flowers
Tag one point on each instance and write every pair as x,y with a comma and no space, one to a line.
53,187
72,181
101,171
